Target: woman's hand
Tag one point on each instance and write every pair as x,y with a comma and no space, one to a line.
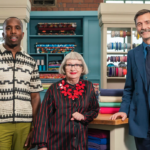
119,115
77,116
43,148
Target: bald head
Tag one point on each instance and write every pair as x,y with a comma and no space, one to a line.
5,22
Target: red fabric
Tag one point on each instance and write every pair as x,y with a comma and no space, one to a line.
98,133
108,110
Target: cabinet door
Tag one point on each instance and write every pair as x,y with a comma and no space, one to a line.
91,48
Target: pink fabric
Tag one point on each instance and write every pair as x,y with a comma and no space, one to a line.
98,133
108,110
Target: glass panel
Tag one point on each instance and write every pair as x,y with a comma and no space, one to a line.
114,2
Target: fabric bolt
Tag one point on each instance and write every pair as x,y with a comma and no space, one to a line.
109,110
114,99
111,92
111,58
53,124
119,45
121,33
101,104
112,33
114,58
98,133
100,141
117,71
116,46
98,146
89,148
124,33
112,46
120,72
110,72
117,58
124,71
121,59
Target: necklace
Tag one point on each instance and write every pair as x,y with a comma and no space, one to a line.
72,94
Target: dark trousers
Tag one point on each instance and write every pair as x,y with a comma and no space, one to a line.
143,144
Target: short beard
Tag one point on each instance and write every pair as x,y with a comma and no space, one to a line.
11,45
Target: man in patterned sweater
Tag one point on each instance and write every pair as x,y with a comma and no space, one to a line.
19,89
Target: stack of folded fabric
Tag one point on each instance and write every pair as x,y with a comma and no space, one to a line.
98,139
46,85
110,100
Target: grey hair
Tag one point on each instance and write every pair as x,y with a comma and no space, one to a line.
74,56
10,18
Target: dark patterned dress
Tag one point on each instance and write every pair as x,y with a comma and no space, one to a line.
53,127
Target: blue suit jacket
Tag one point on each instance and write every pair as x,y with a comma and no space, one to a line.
136,97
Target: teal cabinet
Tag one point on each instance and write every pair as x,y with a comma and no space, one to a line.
87,39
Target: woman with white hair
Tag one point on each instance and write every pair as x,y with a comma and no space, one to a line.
69,105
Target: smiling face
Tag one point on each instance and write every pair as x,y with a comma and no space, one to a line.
73,69
143,27
13,32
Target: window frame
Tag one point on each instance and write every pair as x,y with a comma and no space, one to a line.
126,1
33,4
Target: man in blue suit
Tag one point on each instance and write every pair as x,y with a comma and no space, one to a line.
136,97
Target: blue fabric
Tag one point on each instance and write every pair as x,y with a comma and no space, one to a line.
98,140
136,95
91,148
111,92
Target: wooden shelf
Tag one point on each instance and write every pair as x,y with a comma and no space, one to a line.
117,52
116,78
104,119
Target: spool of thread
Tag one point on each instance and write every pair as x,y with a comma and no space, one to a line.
38,62
43,67
40,68
42,62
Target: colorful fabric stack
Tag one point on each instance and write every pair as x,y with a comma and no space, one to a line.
118,46
117,58
54,65
56,28
46,85
120,33
110,100
55,48
52,76
98,139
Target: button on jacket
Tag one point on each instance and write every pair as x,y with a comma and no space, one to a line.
19,78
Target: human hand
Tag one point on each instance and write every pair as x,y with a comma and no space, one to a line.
118,115
29,141
43,148
77,116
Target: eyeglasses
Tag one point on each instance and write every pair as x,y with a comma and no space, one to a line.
76,66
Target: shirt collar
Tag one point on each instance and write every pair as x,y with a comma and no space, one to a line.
3,49
145,45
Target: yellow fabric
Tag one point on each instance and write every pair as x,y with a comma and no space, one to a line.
110,99
14,135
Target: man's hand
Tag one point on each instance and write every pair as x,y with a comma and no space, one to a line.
29,141
119,115
77,116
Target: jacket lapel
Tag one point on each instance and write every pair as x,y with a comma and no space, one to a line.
140,61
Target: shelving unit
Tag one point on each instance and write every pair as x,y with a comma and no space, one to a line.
87,39
109,20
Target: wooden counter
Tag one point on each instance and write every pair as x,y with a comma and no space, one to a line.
104,119
119,132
